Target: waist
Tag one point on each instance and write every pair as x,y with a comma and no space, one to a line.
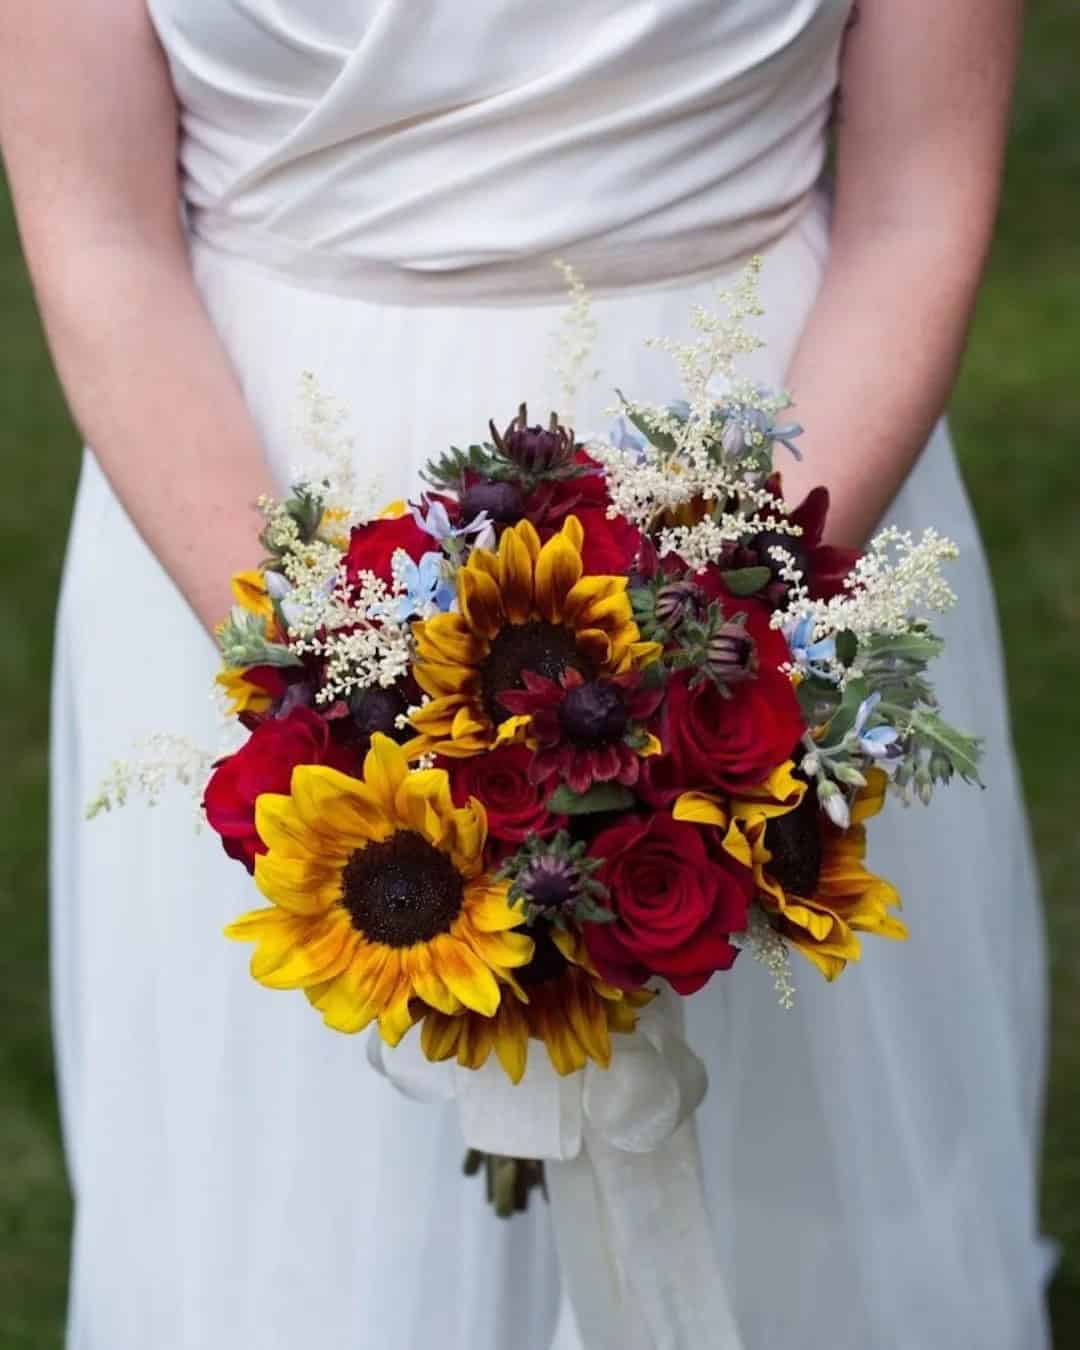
607,265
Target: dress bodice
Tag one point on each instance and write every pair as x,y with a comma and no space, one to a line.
433,137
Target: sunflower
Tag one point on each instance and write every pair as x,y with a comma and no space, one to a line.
250,593
560,1000
811,875
526,607
381,906
244,695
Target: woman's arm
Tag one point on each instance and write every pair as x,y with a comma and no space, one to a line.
925,97
88,128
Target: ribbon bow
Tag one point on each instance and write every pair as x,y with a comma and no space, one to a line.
624,1177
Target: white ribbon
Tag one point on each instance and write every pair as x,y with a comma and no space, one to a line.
624,1177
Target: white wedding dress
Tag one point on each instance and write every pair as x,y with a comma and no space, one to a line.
375,190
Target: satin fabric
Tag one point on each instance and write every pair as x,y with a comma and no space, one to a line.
242,1177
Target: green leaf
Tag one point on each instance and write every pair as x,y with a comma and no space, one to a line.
844,717
847,646
600,797
746,580
660,439
962,751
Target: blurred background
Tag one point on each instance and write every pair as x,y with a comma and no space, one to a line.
1017,422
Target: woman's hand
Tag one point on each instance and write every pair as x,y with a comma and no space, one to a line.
925,90
88,130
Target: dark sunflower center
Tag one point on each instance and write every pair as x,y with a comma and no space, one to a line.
794,841
548,962
401,891
545,648
593,715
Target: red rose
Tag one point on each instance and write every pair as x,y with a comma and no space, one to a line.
727,743
372,546
610,545
264,763
515,806
677,904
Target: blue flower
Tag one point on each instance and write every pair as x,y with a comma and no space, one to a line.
427,588
878,742
812,658
437,523
742,420
625,437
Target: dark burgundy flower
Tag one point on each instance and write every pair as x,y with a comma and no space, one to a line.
535,450
677,903
826,565
264,763
823,566
586,730
503,502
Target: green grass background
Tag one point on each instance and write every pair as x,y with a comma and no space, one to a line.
1017,422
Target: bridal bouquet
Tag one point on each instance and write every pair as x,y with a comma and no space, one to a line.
585,716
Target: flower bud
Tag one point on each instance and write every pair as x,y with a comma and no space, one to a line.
834,804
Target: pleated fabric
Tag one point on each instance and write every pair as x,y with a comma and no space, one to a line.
242,1178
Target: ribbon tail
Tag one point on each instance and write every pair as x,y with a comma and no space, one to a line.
653,1217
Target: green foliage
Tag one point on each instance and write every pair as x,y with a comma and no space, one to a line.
243,642
600,797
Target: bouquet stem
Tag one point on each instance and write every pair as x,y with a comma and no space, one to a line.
510,1181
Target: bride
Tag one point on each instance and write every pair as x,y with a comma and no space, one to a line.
373,190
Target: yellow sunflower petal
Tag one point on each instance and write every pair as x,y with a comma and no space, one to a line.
300,885
249,592
480,602
385,769
325,952
281,828
466,837
439,1036
437,717
465,975
829,966
700,808
564,1050
450,643
244,696
574,531
513,730
526,532
338,807
515,577
275,933
427,983
475,1042
489,910
398,1016
345,1002
467,725
511,1037
558,570
588,1021
870,799
501,951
